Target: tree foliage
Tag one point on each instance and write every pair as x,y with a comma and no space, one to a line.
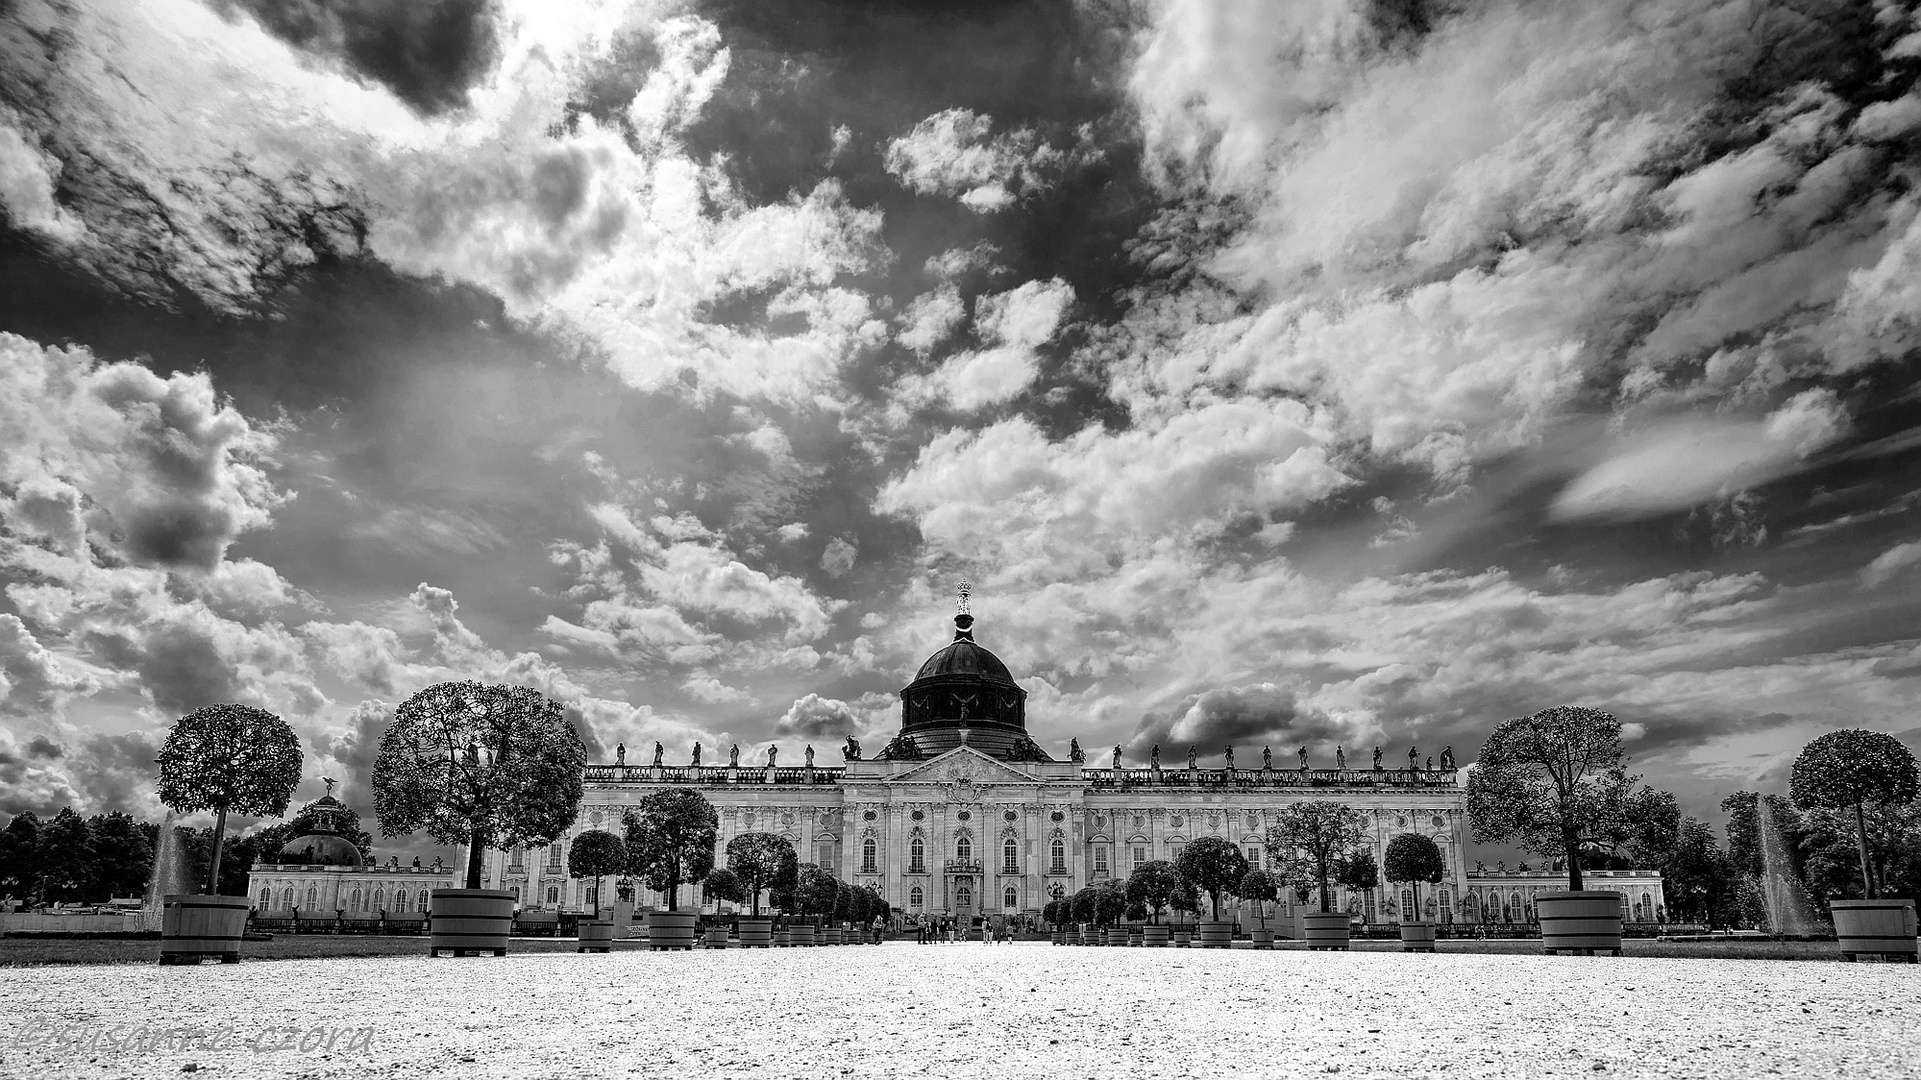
1414,858
670,840
1554,782
67,858
761,861
123,857
1214,866
1309,840
595,854
816,891
1855,771
481,766
230,759
1152,884
722,885
1261,888
20,857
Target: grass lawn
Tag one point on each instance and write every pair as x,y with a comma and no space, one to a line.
28,952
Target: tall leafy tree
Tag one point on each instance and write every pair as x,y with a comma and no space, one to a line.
1554,783
1855,771
67,858
1698,879
1414,858
1310,840
123,858
670,840
1214,866
1152,884
479,766
228,759
595,854
20,857
761,861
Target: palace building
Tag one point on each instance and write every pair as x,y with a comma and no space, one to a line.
963,813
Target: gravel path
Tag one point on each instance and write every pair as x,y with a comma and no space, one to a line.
969,1010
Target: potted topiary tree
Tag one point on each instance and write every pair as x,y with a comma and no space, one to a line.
1214,866
1082,907
1308,842
1359,874
1152,885
1413,858
595,854
814,895
480,766
1051,914
1855,772
1110,904
721,887
760,861
1136,916
1185,900
670,843
1259,888
1555,782
227,759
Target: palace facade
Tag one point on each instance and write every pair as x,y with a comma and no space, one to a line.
963,813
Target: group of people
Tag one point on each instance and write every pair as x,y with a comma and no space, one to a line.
944,929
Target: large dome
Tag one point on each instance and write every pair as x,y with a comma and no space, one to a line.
963,657
324,844
963,696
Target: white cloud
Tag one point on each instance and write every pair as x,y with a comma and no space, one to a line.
1891,564
950,153
839,556
1689,461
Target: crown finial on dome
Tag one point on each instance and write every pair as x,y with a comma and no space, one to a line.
963,613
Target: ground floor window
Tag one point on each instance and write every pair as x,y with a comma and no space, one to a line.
1010,898
266,898
553,895
313,896
964,896
916,897
286,898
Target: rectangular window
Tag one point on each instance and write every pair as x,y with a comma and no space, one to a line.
1140,856
553,858
1100,859
1253,857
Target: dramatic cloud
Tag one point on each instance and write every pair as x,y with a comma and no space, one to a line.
951,153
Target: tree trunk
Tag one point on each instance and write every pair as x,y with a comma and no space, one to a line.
219,839
1573,864
1326,900
1860,835
476,850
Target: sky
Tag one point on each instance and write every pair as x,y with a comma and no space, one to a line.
1331,373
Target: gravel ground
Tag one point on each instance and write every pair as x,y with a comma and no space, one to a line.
968,1011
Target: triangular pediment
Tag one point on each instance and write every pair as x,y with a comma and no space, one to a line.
964,763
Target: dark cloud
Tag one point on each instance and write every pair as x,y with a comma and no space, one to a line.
1245,717
111,772
428,52
42,747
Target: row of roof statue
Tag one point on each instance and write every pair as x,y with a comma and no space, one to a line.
902,748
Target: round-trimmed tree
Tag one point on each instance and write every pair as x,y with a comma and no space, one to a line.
1851,770
722,886
1110,903
1185,898
670,840
1357,872
1152,884
229,759
1261,888
1414,858
479,765
595,854
761,861
1214,866
1309,841
1082,905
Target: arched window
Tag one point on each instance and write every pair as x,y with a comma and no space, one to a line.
420,900
964,849
1515,912
964,896
1057,857
516,891
380,900
400,900
1010,898
266,898
286,898
1447,912
916,897
1010,856
869,855
354,901
1408,914
917,856
313,896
